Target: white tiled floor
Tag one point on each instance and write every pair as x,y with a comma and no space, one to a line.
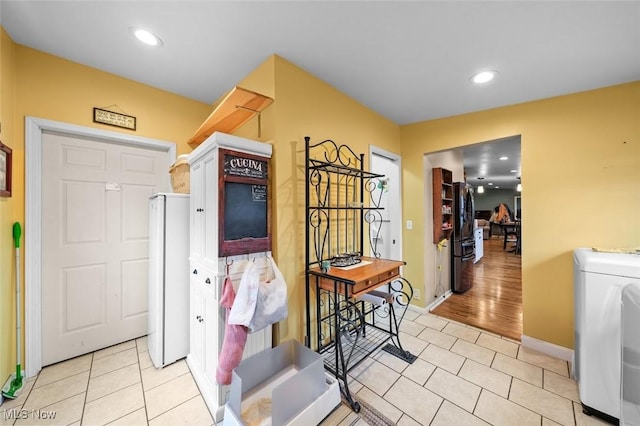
462,376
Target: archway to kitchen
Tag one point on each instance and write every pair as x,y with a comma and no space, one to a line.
494,302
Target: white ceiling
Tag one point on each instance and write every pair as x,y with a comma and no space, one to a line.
407,60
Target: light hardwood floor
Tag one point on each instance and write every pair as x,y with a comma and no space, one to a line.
494,303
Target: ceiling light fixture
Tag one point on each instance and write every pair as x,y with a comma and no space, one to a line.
146,37
513,171
503,158
483,77
519,187
480,189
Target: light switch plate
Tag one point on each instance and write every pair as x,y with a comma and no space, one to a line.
409,224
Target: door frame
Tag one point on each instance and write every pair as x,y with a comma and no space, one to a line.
397,159
34,127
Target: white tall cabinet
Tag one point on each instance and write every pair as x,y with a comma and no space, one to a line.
207,267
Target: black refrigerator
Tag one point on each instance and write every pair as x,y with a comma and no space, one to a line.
462,241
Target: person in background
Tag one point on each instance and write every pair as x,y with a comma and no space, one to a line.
504,214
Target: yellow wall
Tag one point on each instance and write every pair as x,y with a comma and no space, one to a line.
44,86
7,215
307,106
580,175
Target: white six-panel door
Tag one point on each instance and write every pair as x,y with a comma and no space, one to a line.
95,199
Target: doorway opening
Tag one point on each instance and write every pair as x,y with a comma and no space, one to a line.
494,302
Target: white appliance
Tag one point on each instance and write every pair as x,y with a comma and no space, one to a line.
168,336
630,409
598,282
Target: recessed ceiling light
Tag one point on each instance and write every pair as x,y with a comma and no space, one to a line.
513,171
503,158
490,184
483,77
146,37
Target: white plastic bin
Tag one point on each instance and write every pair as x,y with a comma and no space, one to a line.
287,383
630,401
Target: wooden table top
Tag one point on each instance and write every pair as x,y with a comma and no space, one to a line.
359,272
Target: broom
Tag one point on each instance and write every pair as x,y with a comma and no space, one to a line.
13,386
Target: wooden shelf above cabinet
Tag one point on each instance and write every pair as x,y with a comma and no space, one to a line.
238,107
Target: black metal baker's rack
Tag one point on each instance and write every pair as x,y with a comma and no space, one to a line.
340,198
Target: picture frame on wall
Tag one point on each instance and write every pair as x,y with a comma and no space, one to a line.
5,170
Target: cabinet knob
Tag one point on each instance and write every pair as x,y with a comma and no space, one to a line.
199,210
195,272
207,281
201,320
198,317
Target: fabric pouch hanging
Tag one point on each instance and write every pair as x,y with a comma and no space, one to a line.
271,299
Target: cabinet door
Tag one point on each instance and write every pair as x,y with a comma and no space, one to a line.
197,329
197,219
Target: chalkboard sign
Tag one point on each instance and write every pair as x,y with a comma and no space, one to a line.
244,204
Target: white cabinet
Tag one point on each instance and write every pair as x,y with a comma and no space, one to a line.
206,266
477,237
204,328
204,210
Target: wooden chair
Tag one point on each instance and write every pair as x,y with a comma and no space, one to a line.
510,231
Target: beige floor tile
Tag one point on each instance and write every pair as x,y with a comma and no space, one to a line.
419,403
419,371
486,377
114,349
442,358
563,386
546,403
547,422
409,314
64,412
472,351
192,412
375,376
520,369
141,344
462,332
453,388
152,377
439,338
406,420
114,361
170,394
412,343
144,359
432,321
391,361
497,344
113,381
449,414
501,412
64,369
545,361
387,409
340,413
57,391
137,418
411,328
114,406
585,420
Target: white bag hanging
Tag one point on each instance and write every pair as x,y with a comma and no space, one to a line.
271,300
244,305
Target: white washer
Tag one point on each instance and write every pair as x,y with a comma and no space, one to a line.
598,282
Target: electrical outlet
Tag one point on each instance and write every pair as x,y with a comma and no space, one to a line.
416,294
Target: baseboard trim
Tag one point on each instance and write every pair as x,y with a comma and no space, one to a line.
432,305
547,348
439,300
